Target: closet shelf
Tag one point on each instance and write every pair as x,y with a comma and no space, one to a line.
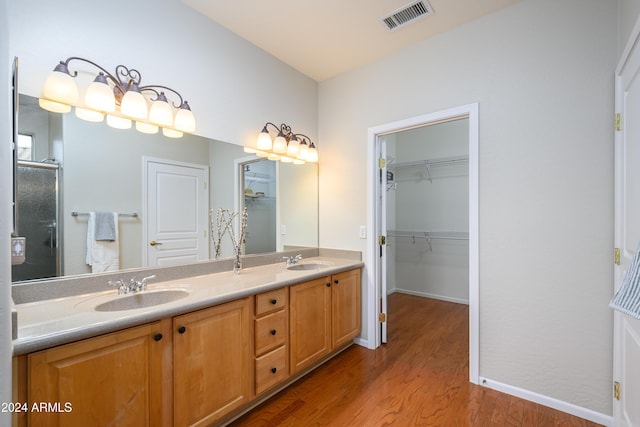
428,163
429,235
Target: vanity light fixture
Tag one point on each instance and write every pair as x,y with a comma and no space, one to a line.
288,147
120,97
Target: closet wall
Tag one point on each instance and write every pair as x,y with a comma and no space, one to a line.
428,211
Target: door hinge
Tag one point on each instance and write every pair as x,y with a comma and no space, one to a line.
382,163
616,256
382,317
618,122
616,390
382,240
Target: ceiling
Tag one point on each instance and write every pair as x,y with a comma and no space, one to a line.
323,38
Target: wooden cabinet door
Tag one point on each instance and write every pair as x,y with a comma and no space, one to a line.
114,379
345,307
212,362
310,322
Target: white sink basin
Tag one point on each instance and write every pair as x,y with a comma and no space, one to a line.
307,266
142,300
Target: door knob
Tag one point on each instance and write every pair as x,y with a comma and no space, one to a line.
154,243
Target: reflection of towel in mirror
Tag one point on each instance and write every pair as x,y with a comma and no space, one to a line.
105,226
102,255
627,299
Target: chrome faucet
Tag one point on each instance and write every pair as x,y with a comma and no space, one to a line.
292,260
133,286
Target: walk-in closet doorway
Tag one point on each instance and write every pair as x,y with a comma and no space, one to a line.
424,208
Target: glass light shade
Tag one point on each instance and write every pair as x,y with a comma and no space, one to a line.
146,127
264,141
171,133
261,154
134,105
312,155
54,107
285,159
185,121
294,147
280,145
99,96
118,122
161,112
304,152
60,87
273,156
298,162
249,150
89,115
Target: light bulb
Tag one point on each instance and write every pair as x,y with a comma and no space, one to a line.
185,120
134,104
89,115
60,86
171,133
117,122
99,95
280,144
161,112
146,128
264,140
294,147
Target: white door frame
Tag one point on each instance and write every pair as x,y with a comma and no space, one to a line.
373,214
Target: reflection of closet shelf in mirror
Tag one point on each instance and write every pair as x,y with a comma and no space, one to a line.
254,199
258,177
429,163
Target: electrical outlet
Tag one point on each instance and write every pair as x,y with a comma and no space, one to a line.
18,247
363,231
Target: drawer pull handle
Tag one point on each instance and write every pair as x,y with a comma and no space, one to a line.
274,370
274,301
157,337
273,332
182,329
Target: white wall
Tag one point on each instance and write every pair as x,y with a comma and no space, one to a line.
5,216
232,86
542,73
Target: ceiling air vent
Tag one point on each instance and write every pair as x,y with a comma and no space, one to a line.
407,14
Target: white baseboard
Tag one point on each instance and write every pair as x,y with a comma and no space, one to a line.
550,402
428,295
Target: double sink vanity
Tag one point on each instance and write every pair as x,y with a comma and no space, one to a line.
197,350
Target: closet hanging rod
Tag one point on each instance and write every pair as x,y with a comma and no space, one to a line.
431,162
443,235
133,215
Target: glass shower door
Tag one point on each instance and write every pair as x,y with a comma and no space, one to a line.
37,220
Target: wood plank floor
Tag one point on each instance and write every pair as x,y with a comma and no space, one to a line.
420,378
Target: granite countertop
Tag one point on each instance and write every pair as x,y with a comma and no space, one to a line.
47,323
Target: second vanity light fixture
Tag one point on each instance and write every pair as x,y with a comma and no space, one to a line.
288,147
120,97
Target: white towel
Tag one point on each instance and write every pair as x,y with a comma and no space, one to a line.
627,299
102,255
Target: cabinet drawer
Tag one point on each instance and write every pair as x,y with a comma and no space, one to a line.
271,369
271,332
271,301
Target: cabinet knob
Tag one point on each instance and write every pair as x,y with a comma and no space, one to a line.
328,284
182,329
336,281
274,370
274,301
273,332
157,337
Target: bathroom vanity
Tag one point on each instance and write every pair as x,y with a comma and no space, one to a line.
198,351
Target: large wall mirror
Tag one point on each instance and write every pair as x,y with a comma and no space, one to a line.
71,167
